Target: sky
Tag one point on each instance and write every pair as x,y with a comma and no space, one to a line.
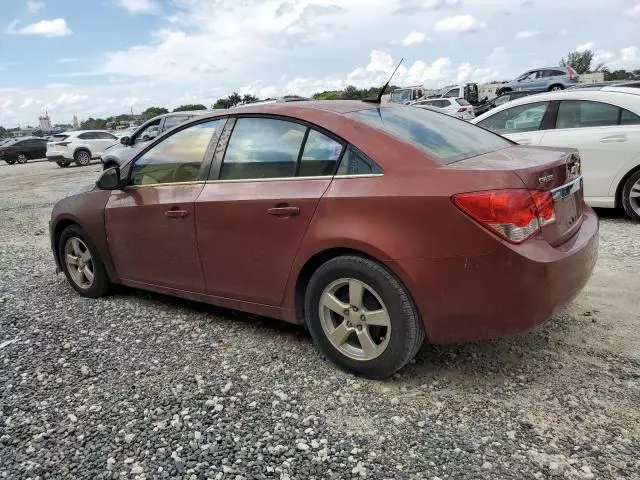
103,57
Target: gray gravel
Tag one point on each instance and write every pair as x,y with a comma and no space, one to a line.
139,385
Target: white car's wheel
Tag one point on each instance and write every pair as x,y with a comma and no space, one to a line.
82,157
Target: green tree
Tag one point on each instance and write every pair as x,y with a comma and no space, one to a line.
222,103
328,95
249,99
3,132
189,107
153,112
580,61
235,98
94,124
617,75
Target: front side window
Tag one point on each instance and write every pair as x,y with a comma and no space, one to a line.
452,93
445,138
177,158
583,113
262,148
523,118
105,136
149,132
86,136
320,155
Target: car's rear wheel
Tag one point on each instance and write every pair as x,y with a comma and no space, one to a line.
63,163
556,88
82,158
22,158
631,196
81,263
10,161
362,317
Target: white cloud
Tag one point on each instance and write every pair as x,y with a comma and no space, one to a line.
28,102
34,6
629,54
415,38
414,6
68,60
524,34
47,28
139,6
633,12
586,46
459,23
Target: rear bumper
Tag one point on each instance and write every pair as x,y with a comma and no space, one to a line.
512,289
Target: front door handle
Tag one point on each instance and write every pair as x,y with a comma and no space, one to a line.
176,213
614,138
283,211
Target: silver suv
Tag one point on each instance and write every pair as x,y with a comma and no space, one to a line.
547,79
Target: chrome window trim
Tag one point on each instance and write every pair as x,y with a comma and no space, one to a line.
293,179
567,189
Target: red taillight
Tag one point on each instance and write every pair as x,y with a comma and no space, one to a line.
462,109
61,144
514,214
571,73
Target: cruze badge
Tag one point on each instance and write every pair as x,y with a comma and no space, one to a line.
545,179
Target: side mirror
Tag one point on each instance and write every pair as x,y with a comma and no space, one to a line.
109,179
124,140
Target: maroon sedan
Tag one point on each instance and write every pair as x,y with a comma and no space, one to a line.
374,226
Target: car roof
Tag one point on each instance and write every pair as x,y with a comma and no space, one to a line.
625,97
182,113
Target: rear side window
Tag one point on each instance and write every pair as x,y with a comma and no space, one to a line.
583,113
320,155
86,136
262,148
629,118
523,118
354,162
452,93
445,138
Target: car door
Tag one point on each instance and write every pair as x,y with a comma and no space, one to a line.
533,82
102,141
524,124
151,223
253,213
607,137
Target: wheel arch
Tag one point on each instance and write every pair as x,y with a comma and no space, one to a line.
81,149
550,87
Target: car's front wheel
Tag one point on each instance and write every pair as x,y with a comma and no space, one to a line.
631,196
22,158
82,158
362,317
81,263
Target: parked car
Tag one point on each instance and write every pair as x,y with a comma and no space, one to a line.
456,107
373,226
22,149
602,123
546,79
78,146
127,146
499,100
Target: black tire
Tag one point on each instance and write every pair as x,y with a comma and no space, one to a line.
556,88
82,157
632,205
407,333
63,163
101,284
10,161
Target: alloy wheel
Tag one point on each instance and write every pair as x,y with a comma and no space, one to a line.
83,158
79,262
556,88
354,319
22,158
634,197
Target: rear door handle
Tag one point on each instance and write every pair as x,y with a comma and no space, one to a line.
176,213
614,138
283,211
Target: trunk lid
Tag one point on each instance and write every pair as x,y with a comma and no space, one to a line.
556,170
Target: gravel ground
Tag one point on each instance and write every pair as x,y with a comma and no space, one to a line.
139,385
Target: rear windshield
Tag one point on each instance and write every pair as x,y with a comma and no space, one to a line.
446,138
463,102
59,137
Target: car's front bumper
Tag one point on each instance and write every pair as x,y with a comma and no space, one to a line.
509,290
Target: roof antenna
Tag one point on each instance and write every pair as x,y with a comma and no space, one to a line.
379,99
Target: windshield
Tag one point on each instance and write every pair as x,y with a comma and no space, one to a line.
441,136
401,95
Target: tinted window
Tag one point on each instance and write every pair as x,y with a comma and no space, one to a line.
523,118
354,162
452,93
86,136
177,158
59,137
320,155
172,121
629,118
463,102
582,113
446,138
262,148
502,99
148,132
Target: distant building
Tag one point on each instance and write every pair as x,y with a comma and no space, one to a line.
45,122
596,77
76,125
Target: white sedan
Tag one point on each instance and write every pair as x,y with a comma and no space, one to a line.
602,123
456,107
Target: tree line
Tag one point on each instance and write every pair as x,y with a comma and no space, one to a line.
582,63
